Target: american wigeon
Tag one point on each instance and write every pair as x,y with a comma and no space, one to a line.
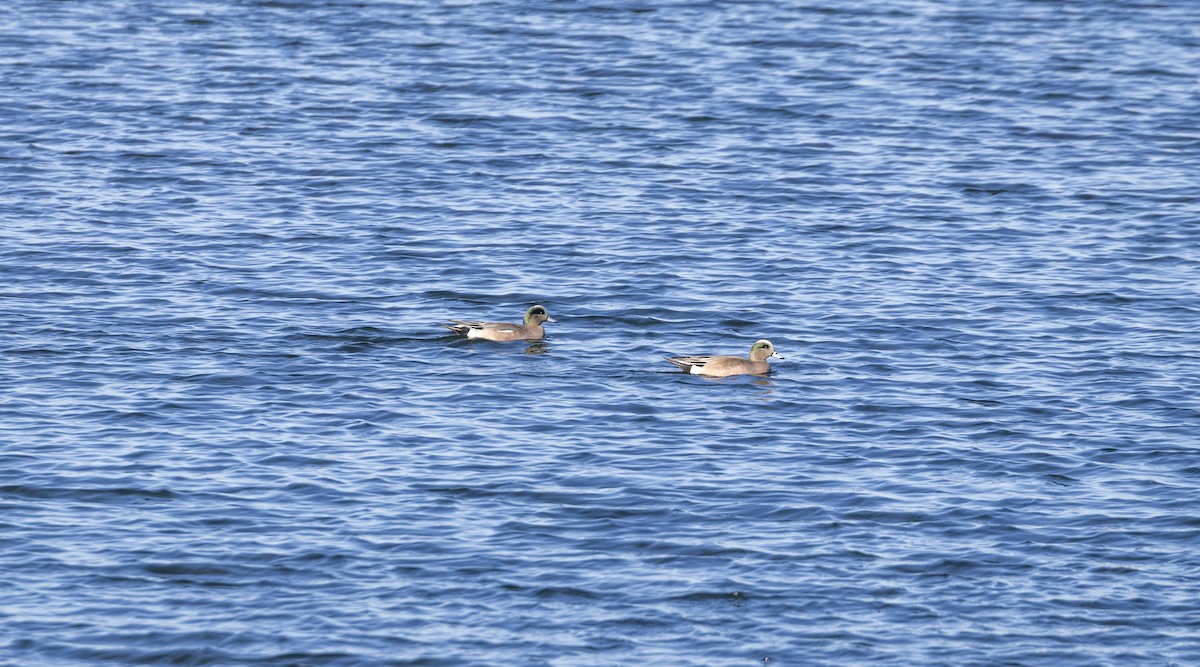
723,366
531,329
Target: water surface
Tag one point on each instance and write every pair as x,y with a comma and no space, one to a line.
232,431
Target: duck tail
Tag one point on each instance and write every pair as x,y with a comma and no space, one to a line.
681,362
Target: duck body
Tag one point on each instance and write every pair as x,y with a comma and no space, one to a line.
529,329
724,366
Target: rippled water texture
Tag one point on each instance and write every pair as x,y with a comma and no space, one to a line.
232,431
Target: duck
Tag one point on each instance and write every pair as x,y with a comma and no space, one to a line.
724,366
529,329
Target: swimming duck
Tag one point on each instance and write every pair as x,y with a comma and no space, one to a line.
530,329
724,366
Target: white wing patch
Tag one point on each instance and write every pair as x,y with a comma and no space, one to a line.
478,329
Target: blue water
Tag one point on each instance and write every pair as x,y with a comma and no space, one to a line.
232,431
